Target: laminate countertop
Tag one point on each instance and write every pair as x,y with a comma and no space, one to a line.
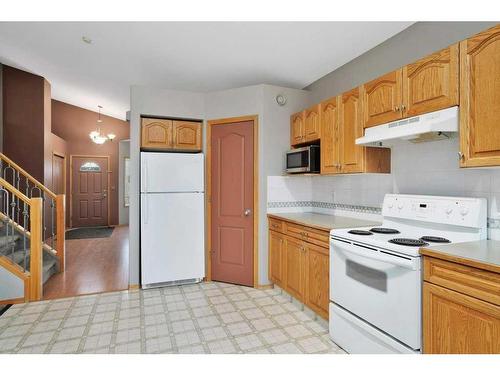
323,221
483,254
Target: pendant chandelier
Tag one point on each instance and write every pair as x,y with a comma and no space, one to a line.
96,136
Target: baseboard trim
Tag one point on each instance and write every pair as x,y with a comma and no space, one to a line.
134,287
264,286
12,301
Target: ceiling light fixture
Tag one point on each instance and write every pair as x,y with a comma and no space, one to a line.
96,135
86,40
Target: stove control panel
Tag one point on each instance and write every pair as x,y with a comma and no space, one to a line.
468,212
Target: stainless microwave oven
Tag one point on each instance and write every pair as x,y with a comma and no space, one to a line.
303,160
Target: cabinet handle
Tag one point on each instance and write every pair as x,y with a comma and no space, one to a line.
461,155
396,109
403,107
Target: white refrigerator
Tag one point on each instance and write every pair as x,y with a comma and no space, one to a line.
172,218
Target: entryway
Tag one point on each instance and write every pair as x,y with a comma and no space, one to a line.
232,200
89,191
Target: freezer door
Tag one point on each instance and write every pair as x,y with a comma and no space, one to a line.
172,237
171,172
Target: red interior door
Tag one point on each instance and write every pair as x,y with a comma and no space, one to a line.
232,202
89,194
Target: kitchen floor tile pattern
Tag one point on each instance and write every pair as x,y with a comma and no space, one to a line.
202,318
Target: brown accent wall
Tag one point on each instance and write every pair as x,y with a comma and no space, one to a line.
73,124
26,118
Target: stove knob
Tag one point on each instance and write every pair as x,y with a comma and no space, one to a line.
390,205
449,210
464,211
400,206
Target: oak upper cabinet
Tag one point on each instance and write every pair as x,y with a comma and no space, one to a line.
382,99
351,155
276,258
295,268
317,279
329,115
187,135
455,323
156,133
431,83
297,129
480,99
312,123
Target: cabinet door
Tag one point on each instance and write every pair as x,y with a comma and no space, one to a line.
480,99
187,135
351,155
382,99
330,162
431,83
458,324
295,262
276,258
156,133
317,279
312,123
297,129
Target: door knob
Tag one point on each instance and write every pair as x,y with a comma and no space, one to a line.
247,212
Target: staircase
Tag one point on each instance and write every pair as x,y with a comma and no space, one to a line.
32,229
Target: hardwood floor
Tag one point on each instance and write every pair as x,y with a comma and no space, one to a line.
92,266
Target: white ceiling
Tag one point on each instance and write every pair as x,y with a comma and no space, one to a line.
181,55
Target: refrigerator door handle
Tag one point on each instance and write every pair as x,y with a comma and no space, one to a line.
145,215
145,170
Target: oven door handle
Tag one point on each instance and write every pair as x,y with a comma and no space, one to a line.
375,255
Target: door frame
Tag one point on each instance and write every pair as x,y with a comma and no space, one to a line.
71,156
208,190
63,156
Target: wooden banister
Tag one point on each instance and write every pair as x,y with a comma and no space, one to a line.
33,280
28,176
61,230
14,191
36,252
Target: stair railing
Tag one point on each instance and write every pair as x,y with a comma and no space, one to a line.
12,200
54,207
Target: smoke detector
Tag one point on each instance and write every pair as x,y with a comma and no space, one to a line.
281,100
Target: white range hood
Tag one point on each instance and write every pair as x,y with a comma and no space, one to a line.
432,126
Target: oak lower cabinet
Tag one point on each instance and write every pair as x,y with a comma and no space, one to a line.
295,268
317,272
461,314
174,135
276,257
299,265
480,99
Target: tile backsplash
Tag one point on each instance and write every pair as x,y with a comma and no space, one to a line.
427,168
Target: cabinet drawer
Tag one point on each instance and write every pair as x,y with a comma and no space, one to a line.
277,225
308,234
474,282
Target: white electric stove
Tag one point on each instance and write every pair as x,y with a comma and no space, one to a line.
375,272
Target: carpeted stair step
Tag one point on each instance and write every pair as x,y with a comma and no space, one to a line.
7,241
49,268
50,265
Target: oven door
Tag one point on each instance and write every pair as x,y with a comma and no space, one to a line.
378,286
298,160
